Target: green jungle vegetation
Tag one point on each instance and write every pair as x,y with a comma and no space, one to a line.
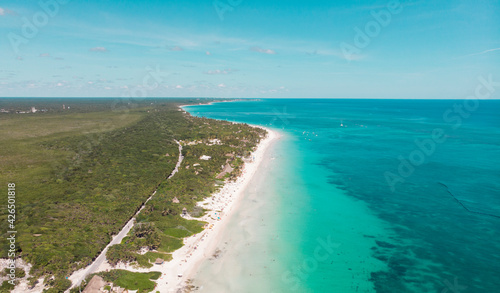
142,282
82,173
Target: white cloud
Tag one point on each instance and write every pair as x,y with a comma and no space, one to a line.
490,50
221,85
208,53
260,50
481,53
218,71
44,55
176,48
5,11
178,86
98,49
354,57
334,53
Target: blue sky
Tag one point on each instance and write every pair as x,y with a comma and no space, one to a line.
248,48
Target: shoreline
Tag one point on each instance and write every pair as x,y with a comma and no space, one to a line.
224,101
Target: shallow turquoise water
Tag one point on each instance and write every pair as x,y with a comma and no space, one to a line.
363,181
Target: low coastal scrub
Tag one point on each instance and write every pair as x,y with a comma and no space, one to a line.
140,282
6,287
143,236
57,284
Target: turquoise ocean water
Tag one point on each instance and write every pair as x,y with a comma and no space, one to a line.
369,196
